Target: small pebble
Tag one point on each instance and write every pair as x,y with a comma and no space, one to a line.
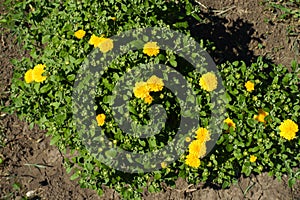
30,193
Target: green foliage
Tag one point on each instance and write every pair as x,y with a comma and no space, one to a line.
276,92
46,30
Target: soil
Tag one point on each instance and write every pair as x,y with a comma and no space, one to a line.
244,30
241,30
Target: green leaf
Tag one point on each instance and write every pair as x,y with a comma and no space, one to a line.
108,99
55,104
275,80
74,176
61,118
190,98
157,175
152,142
291,182
45,88
181,25
55,139
287,78
221,139
17,186
124,7
196,17
296,108
71,77
132,110
229,147
151,189
251,122
45,39
36,87
246,169
173,62
243,67
182,173
225,184
142,143
188,8
111,153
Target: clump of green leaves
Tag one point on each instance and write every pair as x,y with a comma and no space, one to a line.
276,92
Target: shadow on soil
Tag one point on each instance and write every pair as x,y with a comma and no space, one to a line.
231,42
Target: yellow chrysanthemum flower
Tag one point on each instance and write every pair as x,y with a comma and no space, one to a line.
197,148
192,161
28,76
37,72
141,90
253,158
261,116
95,40
100,119
148,99
79,34
106,45
151,49
163,165
202,135
288,129
249,86
208,81
230,122
155,84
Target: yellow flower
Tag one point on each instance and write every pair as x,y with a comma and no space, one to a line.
188,139
288,129
163,165
37,72
141,90
202,135
100,119
253,158
106,45
148,99
28,76
230,122
192,161
151,49
155,84
79,34
208,81
95,40
261,116
197,148
249,86
113,18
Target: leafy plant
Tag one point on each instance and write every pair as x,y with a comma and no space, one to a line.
250,141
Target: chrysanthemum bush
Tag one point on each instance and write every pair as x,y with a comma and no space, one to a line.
259,130
260,133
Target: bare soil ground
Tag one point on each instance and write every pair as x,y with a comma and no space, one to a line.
244,30
241,30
